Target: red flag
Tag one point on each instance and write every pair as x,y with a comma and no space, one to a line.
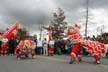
12,32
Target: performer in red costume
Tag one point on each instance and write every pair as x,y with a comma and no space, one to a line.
76,53
51,50
94,47
19,49
50,42
4,49
25,47
30,45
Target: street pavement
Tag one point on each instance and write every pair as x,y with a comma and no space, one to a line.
56,63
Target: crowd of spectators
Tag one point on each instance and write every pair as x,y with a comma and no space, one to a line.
103,38
64,46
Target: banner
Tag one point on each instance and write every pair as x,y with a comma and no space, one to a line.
12,32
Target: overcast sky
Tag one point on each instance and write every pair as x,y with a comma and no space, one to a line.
33,13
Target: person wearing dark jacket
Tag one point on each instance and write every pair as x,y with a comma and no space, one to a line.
12,44
0,46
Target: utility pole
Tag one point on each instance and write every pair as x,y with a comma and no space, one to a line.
102,29
87,3
40,32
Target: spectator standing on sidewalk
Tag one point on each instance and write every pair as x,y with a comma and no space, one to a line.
39,46
45,46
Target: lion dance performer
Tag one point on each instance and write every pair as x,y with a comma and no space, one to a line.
25,47
51,48
94,47
4,48
50,42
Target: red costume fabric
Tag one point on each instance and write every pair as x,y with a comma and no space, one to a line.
24,48
19,48
76,52
4,49
94,47
12,32
51,51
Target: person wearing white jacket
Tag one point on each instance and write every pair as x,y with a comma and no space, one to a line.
45,46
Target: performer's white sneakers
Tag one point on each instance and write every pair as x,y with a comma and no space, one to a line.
19,58
98,62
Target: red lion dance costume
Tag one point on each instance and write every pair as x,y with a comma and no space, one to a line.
4,49
50,42
94,47
25,47
12,32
